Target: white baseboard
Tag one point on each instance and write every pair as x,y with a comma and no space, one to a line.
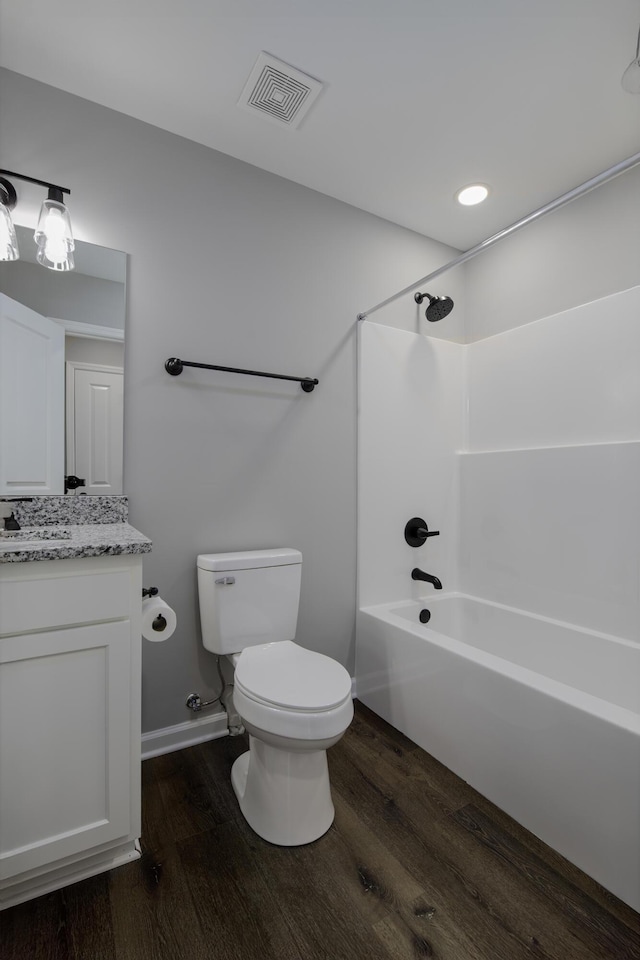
72,871
187,734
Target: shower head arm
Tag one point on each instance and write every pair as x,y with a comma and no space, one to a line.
439,307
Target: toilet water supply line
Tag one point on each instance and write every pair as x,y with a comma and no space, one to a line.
194,701
579,191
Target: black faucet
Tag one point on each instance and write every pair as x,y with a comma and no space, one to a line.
417,574
6,511
10,523
7,517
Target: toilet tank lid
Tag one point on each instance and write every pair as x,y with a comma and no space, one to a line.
249,559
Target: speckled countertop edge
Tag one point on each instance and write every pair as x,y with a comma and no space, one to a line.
86,540
43,511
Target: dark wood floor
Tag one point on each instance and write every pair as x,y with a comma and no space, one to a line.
417,864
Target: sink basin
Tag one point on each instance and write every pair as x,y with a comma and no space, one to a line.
26,539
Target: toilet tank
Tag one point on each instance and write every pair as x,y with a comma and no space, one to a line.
249,597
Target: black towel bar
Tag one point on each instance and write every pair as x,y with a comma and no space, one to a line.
174,366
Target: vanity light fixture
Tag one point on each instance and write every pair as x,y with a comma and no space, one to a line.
53,234
473,193
8,239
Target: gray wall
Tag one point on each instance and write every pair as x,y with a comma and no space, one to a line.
231,265
65,296
586,250
86,350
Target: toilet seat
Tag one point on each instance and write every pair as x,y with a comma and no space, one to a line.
291,692
286,675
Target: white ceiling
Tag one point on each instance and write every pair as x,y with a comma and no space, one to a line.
420,96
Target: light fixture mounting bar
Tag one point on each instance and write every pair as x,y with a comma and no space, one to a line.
40,183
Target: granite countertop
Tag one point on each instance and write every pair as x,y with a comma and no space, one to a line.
64,541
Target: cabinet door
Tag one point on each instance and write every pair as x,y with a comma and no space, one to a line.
31,402
64,743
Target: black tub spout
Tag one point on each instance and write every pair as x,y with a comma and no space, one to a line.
417,574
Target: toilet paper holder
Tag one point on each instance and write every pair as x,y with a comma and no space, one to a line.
160,622
158,619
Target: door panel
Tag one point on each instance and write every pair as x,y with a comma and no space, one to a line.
94,426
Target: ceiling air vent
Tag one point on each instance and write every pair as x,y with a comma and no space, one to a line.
279,92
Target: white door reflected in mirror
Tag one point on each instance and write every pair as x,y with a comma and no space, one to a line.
95,426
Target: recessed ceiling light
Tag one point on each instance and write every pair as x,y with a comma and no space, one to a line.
474,193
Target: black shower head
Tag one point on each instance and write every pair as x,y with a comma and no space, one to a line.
439,307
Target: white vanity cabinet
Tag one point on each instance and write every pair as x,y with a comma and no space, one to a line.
69,720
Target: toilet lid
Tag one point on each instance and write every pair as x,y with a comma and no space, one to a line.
286,675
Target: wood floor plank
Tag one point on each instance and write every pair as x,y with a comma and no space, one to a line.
615,939
369,725
459,903
153,916
321,894
194,799
570,912
89,921
460,794
37,930
400,941
154,815
622,912
238,914
219,756
412,916
524,910
447,791
395,776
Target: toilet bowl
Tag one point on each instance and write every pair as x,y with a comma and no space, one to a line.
294,703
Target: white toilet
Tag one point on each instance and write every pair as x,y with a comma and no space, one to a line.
293,702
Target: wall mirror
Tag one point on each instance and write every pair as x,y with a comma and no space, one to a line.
61,373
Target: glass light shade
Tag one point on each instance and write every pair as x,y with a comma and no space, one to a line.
631,77
8,240
54,237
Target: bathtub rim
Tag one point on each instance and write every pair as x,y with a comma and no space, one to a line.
607,711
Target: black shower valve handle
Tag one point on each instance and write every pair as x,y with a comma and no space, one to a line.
416,532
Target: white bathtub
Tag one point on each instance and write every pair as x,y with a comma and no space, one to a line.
541,717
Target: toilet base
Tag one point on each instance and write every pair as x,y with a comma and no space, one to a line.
284,795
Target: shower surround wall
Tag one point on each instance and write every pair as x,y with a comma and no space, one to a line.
550,516
412,391
524,450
